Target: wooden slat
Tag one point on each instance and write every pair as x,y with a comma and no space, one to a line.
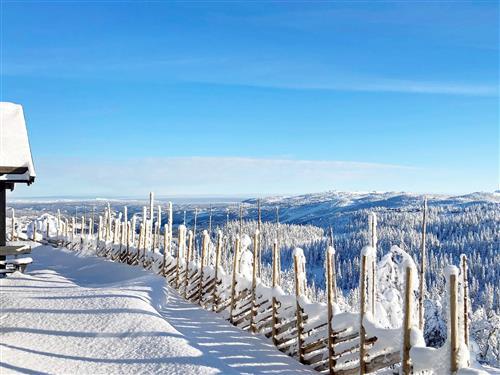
383,361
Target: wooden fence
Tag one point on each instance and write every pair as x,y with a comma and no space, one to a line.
316,334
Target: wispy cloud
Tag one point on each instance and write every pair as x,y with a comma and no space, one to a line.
265,73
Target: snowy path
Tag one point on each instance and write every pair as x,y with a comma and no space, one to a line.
87,315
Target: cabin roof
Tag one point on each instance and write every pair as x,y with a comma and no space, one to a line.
16,163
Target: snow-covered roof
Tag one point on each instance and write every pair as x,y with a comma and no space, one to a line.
16,163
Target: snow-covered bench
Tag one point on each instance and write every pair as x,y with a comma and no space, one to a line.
13,262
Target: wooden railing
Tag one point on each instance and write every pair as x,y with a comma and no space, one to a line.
316,334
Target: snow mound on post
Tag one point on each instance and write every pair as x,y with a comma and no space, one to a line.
330,250
450,270
298,253
368,251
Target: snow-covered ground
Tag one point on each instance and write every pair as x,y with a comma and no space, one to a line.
72,314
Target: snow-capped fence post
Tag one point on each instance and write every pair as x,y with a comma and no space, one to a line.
330,253
465,283
300,280
67,229
127,254
276,283
91,227
99,229
362,312
241,220
73,228
47,231
453,322
334,273
421,289
151,206
158,228
165,239
133,228
210,220
58,222
116,231
13,226
108,223
372,220
139,242
195,247
204,249
215,296
259,225
82,231
170,223
165,251
180,252
233,279
188,259
255,268
407,323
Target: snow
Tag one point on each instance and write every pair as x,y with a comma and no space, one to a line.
76,314
40,224
14,144
331,250
368,251
450,270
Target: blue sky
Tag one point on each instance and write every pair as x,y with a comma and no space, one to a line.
255,98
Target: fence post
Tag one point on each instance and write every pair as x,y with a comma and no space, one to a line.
67,229
133,226
421,289
330,265
82,230
453,323
259,227
255,270
47,231
215,299
362,312
188,256
373,243
127,255
204,247
407,322
170,223
13,225
151,206
180,252
99,230
158,228
73,225
58,223
299,264
465,282
139,242
276,282
165,250
233,280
